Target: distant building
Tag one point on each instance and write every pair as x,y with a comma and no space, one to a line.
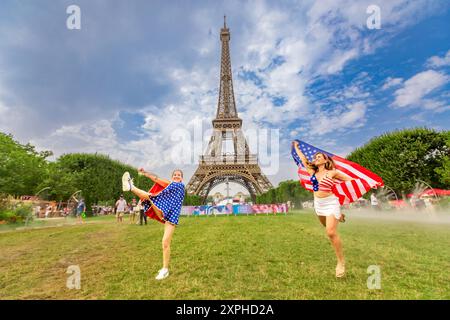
224,202
240,197
218,197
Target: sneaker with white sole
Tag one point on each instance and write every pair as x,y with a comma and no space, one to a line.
163,273
127,182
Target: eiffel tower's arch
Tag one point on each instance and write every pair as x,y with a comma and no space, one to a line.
228,155
242,178
243,182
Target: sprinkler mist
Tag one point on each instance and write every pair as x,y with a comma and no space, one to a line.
419,206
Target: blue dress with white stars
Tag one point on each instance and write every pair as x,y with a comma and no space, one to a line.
169,201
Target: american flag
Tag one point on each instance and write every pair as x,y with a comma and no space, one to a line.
347,191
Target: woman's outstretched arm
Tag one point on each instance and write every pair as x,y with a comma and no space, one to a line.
154,177
302,157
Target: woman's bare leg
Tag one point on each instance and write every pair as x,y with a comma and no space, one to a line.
323,220
140,193
167,239
331,228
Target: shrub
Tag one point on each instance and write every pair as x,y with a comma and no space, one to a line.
14,214
23,211
6,216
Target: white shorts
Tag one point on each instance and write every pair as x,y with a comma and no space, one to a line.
327,206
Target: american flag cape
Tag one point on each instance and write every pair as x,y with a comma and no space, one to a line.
346,191
148,207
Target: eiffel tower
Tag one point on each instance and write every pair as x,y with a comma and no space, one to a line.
227,158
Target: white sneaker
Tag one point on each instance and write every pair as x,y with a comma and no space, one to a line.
163,273
127,182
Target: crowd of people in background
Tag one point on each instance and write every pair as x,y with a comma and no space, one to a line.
134,210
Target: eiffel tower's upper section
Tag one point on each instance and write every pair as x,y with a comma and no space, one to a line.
226,116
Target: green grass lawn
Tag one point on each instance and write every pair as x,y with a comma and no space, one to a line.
243,257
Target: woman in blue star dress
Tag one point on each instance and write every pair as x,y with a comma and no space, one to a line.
163,203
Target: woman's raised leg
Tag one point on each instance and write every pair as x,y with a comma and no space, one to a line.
140,193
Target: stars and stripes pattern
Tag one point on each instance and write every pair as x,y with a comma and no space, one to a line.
347,191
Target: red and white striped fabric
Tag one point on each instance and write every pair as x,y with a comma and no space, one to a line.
347,191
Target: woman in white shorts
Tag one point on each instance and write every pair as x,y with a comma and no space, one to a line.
326,204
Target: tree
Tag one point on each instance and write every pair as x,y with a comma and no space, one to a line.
405,156
22,168
289,190
444,171
192,200
97,176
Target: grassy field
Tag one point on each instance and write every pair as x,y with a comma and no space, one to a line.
254,257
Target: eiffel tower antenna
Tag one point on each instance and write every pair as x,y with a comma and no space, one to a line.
227,157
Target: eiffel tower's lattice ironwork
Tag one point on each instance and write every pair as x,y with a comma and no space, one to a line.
227,157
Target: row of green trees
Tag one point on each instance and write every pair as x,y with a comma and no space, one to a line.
24,171
97,176
401,158
289,190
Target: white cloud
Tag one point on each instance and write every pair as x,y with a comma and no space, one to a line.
435,105
417,87
350,117
392,82
437,62
100,137
12,117
3,109
339,59
310,46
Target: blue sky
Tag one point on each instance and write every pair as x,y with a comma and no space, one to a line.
138,73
